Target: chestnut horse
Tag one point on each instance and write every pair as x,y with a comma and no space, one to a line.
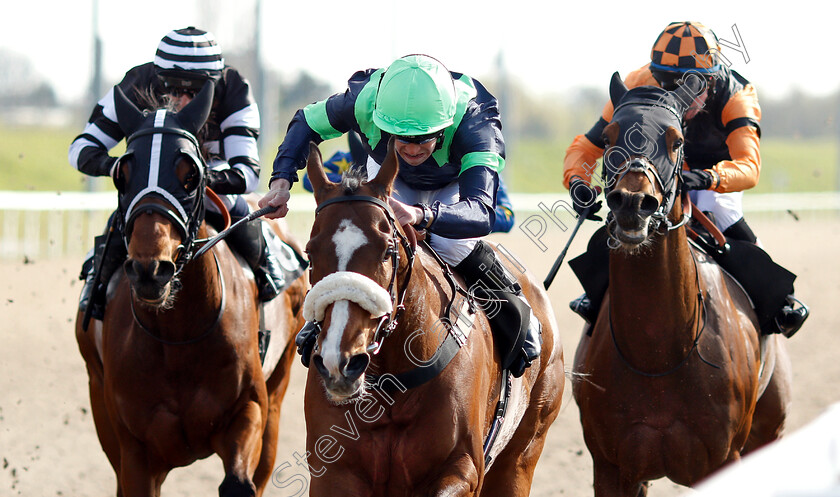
385,415
671,381
174,366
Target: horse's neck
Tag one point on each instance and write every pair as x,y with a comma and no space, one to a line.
655,290
197,302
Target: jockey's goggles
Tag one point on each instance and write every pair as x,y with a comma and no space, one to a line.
182,85
177,92
419,139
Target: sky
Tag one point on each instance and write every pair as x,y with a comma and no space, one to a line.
547,47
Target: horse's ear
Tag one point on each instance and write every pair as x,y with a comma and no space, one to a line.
129,116
315,170
692,85
193,116
617,89
388,171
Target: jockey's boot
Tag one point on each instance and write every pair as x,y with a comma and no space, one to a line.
305,341
793,313
250,241
95,294
583,307
500,295
790,318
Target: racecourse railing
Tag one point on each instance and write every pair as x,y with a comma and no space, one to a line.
51,225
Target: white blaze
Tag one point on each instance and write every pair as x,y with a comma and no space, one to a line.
347,240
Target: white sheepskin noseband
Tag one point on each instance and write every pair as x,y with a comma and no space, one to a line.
346,285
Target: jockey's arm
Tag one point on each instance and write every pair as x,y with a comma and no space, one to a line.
239,129
89,151
316,122
293,153
585,150
474,214
740,116
582,157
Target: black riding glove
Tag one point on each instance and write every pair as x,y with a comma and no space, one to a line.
305,341
696,179
226,181
583,198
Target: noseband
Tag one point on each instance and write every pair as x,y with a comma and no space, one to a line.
388,322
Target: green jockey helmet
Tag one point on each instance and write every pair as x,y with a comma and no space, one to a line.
416,96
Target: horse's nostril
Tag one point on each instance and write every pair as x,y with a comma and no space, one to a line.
318,362
356,366
615,200
134,270
648,206
128,267
164,271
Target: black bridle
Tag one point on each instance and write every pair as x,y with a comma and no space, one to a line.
186,221
668,185
387,323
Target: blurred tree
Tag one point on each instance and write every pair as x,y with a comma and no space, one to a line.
20,83
302,91
799,115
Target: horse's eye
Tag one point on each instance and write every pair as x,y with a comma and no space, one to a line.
191,181
606,141
677,144
389,252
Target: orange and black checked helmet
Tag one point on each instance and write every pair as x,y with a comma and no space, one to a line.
686,46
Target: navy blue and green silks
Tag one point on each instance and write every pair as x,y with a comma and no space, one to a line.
472,152
342,161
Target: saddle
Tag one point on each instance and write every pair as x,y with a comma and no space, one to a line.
766,283
508,344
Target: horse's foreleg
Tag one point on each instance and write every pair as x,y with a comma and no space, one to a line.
96,388
460,480
239,448
277,385
608,482
136,477
771,409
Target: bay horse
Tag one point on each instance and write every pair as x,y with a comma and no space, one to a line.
670,382
400,400
174,367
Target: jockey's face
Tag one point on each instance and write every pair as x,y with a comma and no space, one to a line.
697,105
180,98
415,154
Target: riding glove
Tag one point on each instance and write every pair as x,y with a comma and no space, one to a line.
226,181
696,179
583,198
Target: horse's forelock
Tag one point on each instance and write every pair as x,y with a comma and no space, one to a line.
149,101
352,180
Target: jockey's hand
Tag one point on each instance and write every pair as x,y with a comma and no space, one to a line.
406,214
696,179
277,196
583,197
